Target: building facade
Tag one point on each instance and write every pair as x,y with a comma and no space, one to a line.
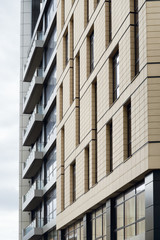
90,120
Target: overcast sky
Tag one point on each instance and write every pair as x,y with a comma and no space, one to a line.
9,120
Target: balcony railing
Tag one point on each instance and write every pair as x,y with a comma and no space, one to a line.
37,185
38,109
38,73
38,146
38,36
36,223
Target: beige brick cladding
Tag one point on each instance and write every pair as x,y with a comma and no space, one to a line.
143,91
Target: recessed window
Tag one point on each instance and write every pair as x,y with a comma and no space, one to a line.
115,76
50,166
66,49
50,206
128,108
50,85
109,148
136,23
74,182
91,51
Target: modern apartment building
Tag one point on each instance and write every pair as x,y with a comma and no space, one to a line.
97,64
108,119
37,211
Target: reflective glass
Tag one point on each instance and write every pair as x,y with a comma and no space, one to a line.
130,211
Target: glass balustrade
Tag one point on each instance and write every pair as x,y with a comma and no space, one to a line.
38,146
37,185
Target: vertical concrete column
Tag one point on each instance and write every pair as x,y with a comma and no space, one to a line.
152,205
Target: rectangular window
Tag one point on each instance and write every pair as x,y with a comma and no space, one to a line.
50,47
50,85
50,206
130,213
115,76
74,231
61,102
50,166
136,23
50,125
66,49
110,21
128,108
77,95
91,51
94,125
98,223
87,169
73,181
50,12
109,148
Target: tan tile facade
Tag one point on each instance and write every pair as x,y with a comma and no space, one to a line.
77,116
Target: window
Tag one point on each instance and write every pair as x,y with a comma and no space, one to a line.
50,12
66,49
110,22
52,235
130,213
98,223
91,51
61,102
50,206
115,76
109,148
74,231
73,181
128,107
50,166
50,46
87,174
136,22
94,125
50,85
77,63
50,125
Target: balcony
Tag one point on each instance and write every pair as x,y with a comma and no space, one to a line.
35,54
34,92
34,231
34,161
34,126
33,196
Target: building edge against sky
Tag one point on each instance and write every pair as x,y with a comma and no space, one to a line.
98,64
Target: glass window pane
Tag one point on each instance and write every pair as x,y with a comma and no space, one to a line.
120,217
120,234
104,224
130,231
93,229
140,188
129,194
119,200
99,226
140,227
99,212
141,205
130,211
